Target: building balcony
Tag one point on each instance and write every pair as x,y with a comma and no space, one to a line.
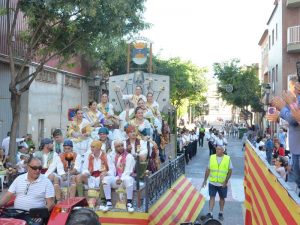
293,39
293,3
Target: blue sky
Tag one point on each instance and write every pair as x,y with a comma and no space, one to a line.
207,31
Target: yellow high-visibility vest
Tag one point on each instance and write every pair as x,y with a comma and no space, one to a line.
218,172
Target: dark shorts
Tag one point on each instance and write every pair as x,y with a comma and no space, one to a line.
212,190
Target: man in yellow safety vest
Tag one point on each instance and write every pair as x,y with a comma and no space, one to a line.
218,171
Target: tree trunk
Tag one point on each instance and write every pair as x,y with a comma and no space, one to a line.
16,108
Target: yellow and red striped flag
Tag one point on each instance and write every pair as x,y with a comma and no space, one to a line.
118,218
181,203
267,202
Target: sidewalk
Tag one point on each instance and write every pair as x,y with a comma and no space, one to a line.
234,205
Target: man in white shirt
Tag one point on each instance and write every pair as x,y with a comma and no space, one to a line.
95,169
220,140
32,190
50,160
122,164
75,168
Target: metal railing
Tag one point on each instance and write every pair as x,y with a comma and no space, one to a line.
159,182
293,35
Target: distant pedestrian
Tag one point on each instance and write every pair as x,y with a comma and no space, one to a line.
269,145
218,171
5,144
201,135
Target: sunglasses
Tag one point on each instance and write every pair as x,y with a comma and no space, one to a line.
36,167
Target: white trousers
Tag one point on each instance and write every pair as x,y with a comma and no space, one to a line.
109,182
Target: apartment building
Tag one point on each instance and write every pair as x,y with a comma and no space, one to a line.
280,44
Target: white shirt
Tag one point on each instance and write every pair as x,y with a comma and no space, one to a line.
143,148
77,164
129,97
55,165
129,164
31,195
21,166
220,142
97,163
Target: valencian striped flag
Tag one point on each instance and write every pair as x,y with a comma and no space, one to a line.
117,218
267,202
181,203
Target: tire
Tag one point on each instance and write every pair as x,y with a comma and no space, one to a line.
83,216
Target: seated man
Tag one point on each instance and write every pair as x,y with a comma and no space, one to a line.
32,190
123,165
75,165
103,137
95,170
58,141
51,162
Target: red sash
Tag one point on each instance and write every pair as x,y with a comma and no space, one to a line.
96,173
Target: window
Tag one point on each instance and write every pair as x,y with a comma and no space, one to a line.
72,81
47,77
276,73
272,37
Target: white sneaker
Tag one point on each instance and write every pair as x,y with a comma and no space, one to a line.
107,207
130,207
101,207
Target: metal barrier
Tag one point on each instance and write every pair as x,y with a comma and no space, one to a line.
159,182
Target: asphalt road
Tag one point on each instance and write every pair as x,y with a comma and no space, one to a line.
234,205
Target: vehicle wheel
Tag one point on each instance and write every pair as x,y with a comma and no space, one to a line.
83,216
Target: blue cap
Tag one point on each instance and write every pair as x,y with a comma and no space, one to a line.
46,141
68,142
103,130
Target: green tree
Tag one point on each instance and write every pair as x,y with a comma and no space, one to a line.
187,80
62,29
244,80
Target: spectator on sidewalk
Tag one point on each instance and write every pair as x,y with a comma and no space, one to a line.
269,145
280,166
278,150
282,137
5,143
288,109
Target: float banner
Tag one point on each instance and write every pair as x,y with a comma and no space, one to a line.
267,201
